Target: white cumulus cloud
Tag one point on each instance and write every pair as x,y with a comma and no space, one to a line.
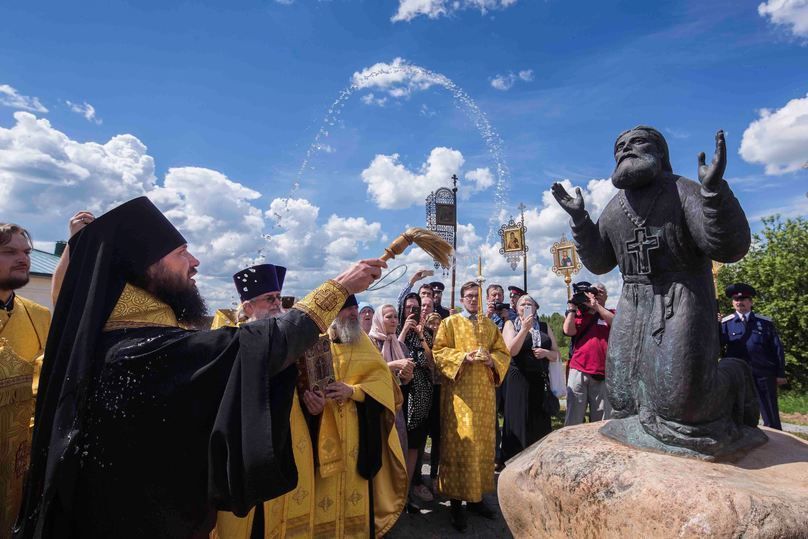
505,82
792,14
391,185
10,97
779,138
480,178
86,110
44,174
45,177
398,79
433,9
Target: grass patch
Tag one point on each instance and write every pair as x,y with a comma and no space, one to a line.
793,402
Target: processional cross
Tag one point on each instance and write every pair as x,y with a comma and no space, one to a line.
641,245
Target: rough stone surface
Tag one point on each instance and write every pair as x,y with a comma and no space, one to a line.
577,483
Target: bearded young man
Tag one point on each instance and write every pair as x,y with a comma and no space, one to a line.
664,382
144,428
24,325
24,329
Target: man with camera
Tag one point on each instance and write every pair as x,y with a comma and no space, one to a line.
496,310
587,322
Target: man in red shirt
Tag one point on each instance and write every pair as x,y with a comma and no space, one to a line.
588,325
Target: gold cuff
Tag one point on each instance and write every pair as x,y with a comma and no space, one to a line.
324,303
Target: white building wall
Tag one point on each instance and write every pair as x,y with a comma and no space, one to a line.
38,290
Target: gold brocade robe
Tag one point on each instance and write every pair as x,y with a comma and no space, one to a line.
333,500
468,407
341,494
25,330
290,515
224,318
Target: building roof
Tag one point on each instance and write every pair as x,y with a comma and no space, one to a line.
43,263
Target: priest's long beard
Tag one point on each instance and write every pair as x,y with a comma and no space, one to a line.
347,332
636,172
180,294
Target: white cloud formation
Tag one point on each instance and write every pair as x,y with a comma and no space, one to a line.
392,186
45,177
778,139
398,79
480,178
43,173
506,82
433,9
789,13
86,110
371,99
503,82
10,97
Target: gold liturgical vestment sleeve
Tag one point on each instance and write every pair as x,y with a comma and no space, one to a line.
25,330
468,407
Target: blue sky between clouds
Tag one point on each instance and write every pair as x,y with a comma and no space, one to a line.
228,99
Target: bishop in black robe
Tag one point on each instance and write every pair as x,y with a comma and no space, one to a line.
144,428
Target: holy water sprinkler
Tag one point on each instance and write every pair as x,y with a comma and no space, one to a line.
434,245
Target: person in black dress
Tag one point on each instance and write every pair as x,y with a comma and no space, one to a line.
532,346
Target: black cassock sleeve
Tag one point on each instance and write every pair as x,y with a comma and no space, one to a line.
182,423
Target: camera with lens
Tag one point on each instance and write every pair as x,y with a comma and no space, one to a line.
579,291
500,306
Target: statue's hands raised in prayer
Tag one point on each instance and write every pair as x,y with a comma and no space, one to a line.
710,175
573,206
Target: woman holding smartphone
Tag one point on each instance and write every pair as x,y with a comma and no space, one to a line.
532,346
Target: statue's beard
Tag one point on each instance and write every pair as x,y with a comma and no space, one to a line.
347,331
636,172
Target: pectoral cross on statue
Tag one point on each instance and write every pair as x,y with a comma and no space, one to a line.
641,245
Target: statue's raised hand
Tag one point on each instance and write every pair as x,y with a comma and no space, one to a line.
573,206
710,175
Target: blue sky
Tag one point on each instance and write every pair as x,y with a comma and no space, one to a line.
211,110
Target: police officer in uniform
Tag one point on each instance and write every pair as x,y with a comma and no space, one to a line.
753,337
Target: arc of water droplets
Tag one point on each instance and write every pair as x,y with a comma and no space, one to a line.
462,101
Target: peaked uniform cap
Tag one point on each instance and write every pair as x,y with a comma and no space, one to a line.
739,290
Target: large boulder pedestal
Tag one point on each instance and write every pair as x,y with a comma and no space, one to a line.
577,483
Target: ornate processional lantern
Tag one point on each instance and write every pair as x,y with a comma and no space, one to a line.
514,244
565,261
441,218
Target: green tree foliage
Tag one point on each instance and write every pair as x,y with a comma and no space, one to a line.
777,267
555,321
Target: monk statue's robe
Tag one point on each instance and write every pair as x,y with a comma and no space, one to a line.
468,407
666,387
356,441
23,333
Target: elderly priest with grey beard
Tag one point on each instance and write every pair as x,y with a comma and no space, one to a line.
145,428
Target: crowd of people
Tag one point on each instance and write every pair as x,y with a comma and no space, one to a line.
307,420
